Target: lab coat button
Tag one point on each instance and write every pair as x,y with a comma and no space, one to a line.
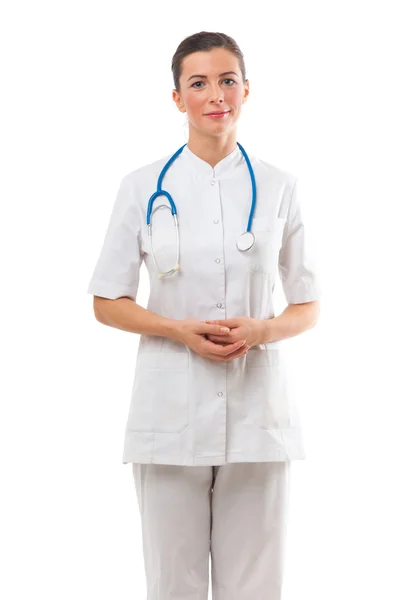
220,393
219,305
217,260
216,221
213,182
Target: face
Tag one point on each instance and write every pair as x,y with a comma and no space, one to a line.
220,88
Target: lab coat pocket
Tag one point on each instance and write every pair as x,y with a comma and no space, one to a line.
263,256
266,389
159,402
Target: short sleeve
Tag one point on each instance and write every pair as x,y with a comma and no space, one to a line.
296,263
116,273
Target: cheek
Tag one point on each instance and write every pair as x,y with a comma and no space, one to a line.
194,103
234,96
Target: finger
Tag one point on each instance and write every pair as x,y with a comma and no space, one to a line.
221,343
240,352
230,348
220,339
219,350
206,328
231,323
215,348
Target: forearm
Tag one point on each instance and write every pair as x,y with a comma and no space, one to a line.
295,319
127,315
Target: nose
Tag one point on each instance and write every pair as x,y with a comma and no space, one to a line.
216,93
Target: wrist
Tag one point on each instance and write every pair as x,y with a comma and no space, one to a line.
265,331
171,329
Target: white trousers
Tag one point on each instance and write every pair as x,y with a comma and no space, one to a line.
235,514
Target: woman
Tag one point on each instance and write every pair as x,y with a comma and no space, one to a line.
211,430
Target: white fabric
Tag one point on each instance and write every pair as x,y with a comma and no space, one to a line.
235,514
186,409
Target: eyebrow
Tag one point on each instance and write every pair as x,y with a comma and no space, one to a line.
221,74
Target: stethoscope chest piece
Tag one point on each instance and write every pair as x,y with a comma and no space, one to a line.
245,241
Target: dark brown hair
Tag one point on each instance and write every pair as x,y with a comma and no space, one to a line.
204,41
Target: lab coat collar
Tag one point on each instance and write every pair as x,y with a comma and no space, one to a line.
223,167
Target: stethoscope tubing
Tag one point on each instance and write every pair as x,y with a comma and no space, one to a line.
160,192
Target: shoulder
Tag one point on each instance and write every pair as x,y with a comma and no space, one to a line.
274,173
275,182
145,173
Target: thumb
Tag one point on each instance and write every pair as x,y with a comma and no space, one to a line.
230,323
215,328
218,322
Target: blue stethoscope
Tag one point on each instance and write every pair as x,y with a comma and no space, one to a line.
244,242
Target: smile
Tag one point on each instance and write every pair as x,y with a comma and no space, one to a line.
218,115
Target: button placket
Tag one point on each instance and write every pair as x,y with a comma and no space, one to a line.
219,259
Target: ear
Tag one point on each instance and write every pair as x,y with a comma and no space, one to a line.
246,91
178,101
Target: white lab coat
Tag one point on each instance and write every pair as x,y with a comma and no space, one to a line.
186,409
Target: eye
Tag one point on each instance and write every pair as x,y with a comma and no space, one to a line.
228,79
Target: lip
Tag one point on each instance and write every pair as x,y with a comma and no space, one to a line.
217,113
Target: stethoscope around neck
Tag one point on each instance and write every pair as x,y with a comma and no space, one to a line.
245,241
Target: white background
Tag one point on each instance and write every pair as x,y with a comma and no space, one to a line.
87,98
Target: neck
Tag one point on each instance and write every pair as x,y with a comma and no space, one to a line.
211,149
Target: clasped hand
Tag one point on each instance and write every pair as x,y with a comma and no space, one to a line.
243,328
208,339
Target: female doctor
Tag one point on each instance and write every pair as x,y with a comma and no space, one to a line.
212,428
